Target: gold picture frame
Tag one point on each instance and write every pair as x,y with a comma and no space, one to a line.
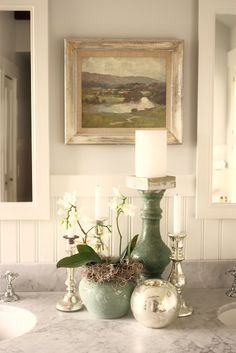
113,87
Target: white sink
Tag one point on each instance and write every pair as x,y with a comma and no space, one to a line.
15,321
227,315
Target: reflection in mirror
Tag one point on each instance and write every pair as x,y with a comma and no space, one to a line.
224,122
15,107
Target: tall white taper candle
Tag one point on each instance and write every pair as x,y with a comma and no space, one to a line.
177,215
71,232
97,204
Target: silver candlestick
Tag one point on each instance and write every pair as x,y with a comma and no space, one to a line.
71,300
177,277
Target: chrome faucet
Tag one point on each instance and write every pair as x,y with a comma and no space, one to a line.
232,291
9,294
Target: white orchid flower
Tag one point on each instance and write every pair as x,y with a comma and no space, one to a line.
70,198
68,209
113,204
118,200
61,212
129,209
119,203
73,215
116,192
75,221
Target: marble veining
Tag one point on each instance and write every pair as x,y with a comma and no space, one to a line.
80,332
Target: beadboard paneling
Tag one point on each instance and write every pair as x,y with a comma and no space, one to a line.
28,245
228,248
193,229
211,239
46,242
10,244
42,241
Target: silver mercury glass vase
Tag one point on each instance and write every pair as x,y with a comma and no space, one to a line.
155,303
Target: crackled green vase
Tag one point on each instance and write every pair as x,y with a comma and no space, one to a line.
108,300
150,249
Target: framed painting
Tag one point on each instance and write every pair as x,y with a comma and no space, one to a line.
114,87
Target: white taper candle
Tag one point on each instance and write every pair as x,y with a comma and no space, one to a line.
71,232
97,204
177,215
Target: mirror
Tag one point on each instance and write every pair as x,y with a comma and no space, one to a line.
224,110
24,159
15,103
216,152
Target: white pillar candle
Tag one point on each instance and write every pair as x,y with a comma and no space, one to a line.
97,205
150,153
177,215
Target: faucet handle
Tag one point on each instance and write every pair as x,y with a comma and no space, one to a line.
231,292
9,276
232,271
9,294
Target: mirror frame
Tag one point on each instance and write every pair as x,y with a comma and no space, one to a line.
39,207
205,208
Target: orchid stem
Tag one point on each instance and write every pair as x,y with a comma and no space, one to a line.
119,232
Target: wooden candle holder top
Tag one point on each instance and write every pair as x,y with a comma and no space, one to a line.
149,184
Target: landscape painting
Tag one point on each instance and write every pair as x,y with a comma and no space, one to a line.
123,92
114,87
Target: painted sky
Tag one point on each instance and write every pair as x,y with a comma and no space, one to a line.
126,66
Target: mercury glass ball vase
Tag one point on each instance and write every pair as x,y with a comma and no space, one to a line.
155,303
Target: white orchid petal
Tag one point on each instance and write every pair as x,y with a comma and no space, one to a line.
116,191
61,212
70,198
60,202
113,204
129,210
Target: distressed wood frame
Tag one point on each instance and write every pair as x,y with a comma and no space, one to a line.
75,133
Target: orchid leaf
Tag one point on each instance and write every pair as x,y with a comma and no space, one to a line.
130,247
84,248
85,256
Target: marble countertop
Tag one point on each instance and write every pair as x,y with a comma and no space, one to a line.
57,332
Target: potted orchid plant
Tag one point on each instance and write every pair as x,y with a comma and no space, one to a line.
107,282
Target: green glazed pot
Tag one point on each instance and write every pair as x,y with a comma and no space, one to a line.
108,300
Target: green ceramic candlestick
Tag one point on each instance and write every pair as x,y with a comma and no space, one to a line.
150,249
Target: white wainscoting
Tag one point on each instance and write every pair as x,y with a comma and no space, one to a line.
42,242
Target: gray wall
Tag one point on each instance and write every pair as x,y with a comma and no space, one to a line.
161,19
